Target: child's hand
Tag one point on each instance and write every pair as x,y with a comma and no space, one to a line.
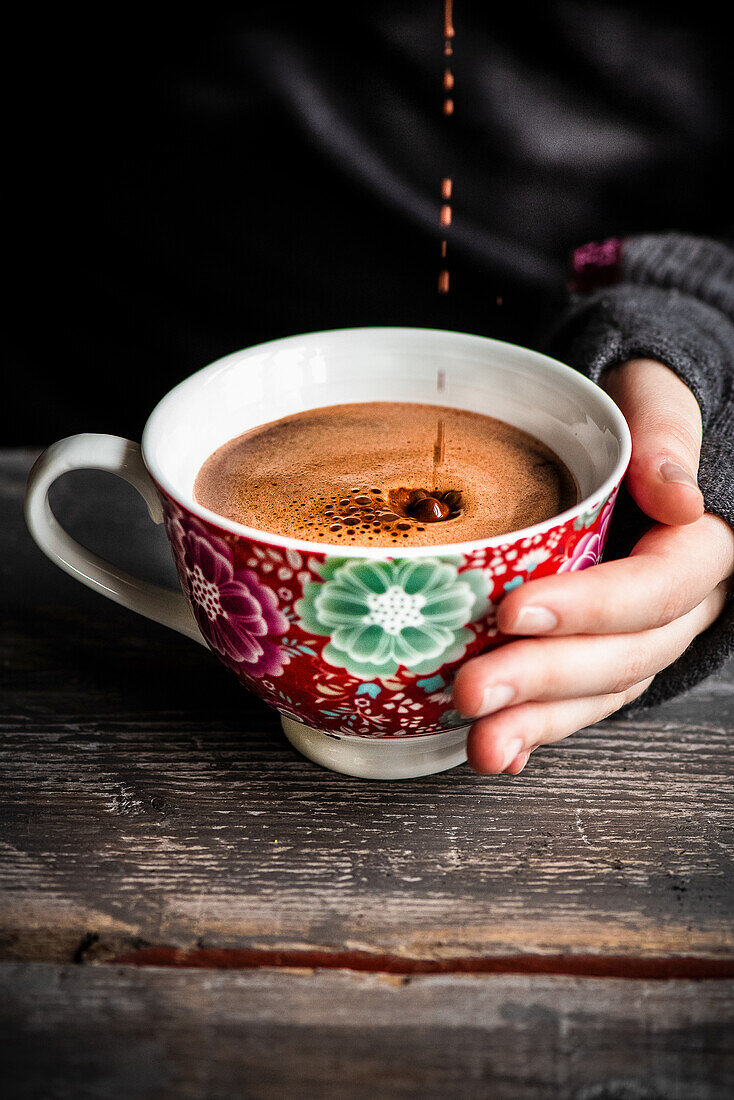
606,631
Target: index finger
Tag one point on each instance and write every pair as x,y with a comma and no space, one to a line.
670,571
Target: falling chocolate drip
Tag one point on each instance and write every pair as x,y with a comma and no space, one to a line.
446,189
448,27
446,213
438,450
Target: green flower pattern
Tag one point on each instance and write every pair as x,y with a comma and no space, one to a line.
381,615
586,519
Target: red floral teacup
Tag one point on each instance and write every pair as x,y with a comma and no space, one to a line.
355,647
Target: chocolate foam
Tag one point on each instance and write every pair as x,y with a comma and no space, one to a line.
366,475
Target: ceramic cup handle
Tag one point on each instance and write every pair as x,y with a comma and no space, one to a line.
121,457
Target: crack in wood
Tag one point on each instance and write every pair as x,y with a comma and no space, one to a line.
653,968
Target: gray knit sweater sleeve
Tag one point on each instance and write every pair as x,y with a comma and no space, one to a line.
668,297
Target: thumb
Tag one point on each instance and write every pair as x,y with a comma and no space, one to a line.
665,423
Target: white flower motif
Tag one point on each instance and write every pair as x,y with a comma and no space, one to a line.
530,561
394,609
441,698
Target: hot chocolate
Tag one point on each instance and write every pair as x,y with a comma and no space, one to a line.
386,474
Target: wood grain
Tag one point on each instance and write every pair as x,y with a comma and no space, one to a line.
111,1032
149,801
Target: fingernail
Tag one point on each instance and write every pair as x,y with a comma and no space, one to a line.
512,749
525,758
533,620
496,696
672,472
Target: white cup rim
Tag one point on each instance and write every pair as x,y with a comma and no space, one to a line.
583,384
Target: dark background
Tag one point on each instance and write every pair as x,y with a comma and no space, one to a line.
184,185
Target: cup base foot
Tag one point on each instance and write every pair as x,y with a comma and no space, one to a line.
376,758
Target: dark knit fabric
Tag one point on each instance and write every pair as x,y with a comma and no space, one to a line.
674,302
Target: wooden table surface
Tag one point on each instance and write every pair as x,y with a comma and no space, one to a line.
189,909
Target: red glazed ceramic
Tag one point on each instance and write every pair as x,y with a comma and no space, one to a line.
356,647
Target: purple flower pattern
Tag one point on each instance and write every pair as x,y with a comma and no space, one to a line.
236,613
586,552
588,549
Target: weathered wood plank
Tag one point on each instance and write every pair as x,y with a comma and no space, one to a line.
111,1032
149,800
